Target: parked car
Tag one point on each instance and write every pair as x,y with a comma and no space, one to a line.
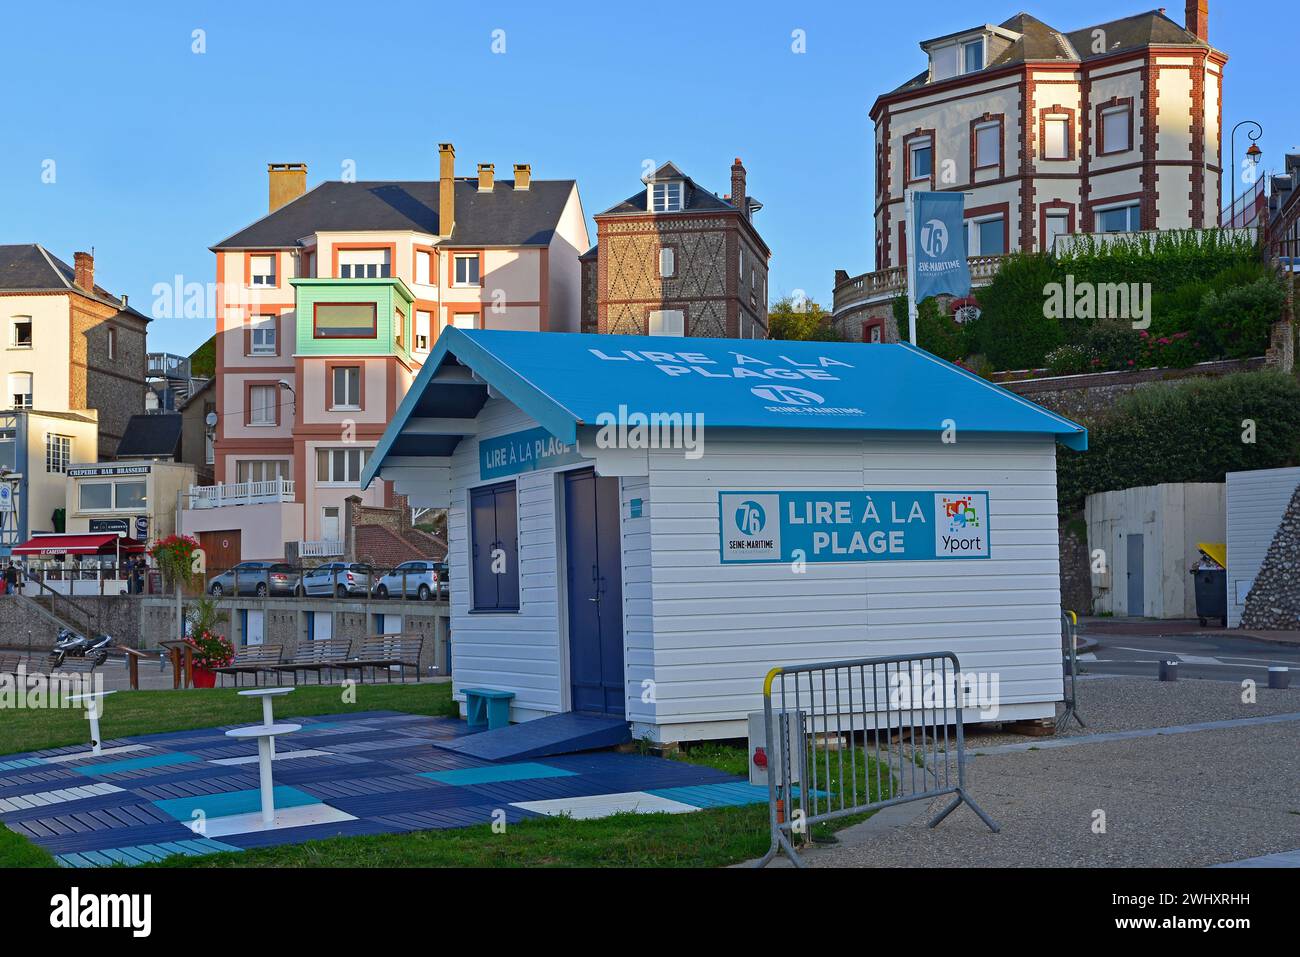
256,578
342,579
417,579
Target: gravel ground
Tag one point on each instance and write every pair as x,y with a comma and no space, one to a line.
1177,800
1124,704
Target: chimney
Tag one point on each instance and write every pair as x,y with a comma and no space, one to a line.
486,176
83,271
738,198
1198,19
286,181
446,189
523,175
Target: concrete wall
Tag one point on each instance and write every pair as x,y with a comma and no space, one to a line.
1172,519
144,622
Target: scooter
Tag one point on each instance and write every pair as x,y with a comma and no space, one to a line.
69,644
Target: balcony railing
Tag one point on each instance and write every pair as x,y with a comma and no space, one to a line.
328,548
240,493
887,283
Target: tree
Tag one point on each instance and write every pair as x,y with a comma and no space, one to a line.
788,319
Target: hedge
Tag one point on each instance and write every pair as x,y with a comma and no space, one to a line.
1184,432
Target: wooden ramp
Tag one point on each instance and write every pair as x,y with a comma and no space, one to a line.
555,734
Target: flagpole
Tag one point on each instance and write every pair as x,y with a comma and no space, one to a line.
910,241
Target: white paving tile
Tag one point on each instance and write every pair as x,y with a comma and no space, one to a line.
279,756
42,798
83,755
603,805
302,816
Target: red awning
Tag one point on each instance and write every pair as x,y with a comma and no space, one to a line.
71,544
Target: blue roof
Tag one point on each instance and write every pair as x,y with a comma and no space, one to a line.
564,380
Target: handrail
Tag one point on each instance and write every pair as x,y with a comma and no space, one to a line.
55,598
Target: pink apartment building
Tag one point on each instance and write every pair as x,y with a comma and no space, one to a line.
328,306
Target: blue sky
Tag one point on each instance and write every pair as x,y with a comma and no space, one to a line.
159,152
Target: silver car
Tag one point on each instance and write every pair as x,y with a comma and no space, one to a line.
417,579
341,579
255,578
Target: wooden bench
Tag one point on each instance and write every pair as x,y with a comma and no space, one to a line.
484,706
388,652
252,659
317,656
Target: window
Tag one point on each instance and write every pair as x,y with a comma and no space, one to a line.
20,333
95,495
8,449
340,466
364,264
261,270
667,322
20,389
1115,129
494,548
345,320
262,404
1120,219
667,197
465,320
347,387
1056,224
426,272
988,145
920,162
423,324
112,343
467,271
399,329
58,452
874,333
1056,137
943,62
951,59
988,237
261,336
261,470
667,262
130,495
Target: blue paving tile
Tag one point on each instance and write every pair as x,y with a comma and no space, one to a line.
492,773
728,794
235,802
136,764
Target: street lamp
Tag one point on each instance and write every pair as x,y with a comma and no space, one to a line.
1253,153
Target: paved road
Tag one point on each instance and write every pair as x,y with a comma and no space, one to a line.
1224,657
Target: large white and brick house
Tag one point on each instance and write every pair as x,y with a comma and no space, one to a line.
1108,128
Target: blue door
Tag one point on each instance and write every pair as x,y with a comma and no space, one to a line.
595,579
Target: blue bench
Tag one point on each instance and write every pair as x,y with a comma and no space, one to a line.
484,706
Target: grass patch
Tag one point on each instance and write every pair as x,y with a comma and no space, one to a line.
17,851
130,713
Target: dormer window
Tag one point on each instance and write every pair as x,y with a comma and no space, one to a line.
957,58
667,197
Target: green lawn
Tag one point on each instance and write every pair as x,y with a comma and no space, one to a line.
709,838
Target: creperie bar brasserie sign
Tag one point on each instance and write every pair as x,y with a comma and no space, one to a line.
90,471
738,366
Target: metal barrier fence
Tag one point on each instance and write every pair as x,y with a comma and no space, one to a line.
848,737
1070,669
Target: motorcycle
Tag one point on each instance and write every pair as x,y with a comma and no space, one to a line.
69,644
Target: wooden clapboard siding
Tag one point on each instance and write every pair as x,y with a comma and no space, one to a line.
718,629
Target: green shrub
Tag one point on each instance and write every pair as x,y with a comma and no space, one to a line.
936,330
1114,344
1240,317
1013,330
1166,260
1069,360
1178,310
1185,432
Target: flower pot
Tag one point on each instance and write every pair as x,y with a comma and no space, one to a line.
203,678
